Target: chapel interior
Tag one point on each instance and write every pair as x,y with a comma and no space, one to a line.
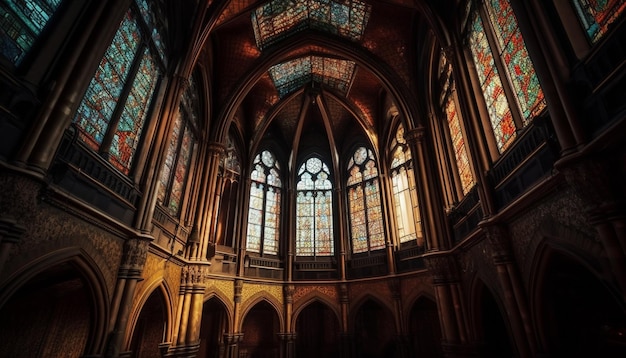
313,178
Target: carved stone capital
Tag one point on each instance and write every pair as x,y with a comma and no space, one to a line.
288,291
343,293
238,290
415,135
135,252
195,274
216,149
443,268
500,243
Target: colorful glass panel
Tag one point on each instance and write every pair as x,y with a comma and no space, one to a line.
366,226
264,209
279,18
180,175
170,158
21,23
291,75
498,107
405,200
519,66
597,16
314,214
96,109
134,114
458,146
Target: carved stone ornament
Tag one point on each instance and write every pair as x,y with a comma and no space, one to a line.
443,268
135,253
195,274
591,179
500,243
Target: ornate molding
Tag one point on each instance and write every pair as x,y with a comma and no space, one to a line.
195,275
443,268
415,135
499,240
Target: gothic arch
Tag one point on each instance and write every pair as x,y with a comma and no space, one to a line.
158,285
315,298
88,270
258,298
222,299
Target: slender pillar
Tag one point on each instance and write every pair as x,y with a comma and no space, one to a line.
448,292
515,303
216,151
346,340
133,261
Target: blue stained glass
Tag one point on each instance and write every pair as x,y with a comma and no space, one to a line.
96,109
134,114
21,22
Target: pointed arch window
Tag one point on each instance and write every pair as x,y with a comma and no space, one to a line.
366,218
406,206
264,210
112,114
314,209
506,73
461,164
21,23
596,16
179,152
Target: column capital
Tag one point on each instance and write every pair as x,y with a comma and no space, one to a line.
499,240
10,230
443,267
415,135
195,274
216,148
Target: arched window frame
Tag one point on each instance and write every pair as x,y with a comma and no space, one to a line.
367,231
454,131
182,144
596,18
314,209
404,190
119,99
510,110
263,234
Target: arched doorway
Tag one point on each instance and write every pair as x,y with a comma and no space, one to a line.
424,329
580,315
260,332
496,342
374,330
317,330
150,327
212,328
51,315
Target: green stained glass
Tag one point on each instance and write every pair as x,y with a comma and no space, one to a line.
21,23
278,19
314,216
491,84
512,50
134,114
597,16
292,75
264,207
96,109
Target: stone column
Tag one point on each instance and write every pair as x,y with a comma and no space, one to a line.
186,340
133,261
346,341
400,339
232,341
448,292
287,344
512,288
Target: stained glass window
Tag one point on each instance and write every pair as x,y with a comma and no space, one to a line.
278,18
334,73
408,222
519,73
314,209
597,16
453,121
366,219
108,121
180,148
21,23
264,209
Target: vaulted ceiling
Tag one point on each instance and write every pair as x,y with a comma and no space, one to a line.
311,71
